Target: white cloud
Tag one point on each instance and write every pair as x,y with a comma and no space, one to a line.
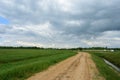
41,29
96,43
65,5
74,23
22,43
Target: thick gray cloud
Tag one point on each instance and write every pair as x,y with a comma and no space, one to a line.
60,23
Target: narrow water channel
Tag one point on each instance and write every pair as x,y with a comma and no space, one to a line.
112,65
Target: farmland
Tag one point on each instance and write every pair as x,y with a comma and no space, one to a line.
17,64
21,64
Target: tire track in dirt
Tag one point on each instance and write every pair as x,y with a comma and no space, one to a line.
70,69
78,67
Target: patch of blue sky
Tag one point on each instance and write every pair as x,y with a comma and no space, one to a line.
4,21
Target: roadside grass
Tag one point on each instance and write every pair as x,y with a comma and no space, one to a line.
25,67
113,57
106,71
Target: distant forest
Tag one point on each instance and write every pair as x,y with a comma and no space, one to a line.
79,48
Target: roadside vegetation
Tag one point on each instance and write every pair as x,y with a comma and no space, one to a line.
105,70
113,57
18,64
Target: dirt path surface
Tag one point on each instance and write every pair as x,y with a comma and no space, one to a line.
78,67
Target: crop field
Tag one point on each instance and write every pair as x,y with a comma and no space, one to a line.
21,64
18,64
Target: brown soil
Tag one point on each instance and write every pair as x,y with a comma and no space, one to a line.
78,67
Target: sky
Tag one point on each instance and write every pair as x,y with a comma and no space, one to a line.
3,21
60,23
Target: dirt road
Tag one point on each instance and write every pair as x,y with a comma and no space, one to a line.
78,67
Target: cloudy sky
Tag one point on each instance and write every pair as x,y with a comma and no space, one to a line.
60,23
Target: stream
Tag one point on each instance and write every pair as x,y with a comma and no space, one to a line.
112,65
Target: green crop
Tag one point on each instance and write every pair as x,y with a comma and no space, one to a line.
18,64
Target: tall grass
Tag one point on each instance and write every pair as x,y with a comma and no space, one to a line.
29,62
14,55
106,71
113,57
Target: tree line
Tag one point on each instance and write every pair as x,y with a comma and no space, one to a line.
79,48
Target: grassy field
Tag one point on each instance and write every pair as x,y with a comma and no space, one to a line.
105,70
18,64
113,57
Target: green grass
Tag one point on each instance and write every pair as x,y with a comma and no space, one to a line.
13,55
106,71
18,64
113,57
